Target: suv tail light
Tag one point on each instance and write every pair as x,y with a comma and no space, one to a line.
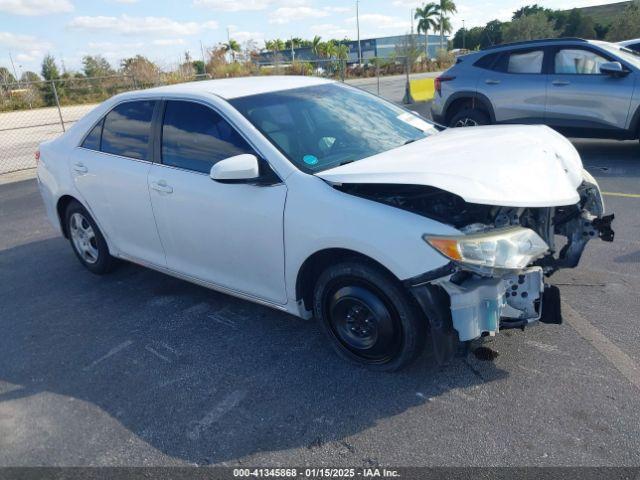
438,83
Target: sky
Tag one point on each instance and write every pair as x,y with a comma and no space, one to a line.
163,30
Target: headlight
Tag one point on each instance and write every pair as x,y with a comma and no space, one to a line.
508,248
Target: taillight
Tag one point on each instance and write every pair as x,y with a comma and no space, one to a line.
438,83
37,155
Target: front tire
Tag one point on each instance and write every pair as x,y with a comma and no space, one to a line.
469,117
87,240
368,316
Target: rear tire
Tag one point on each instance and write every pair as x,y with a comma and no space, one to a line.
87,240
368,316
469,117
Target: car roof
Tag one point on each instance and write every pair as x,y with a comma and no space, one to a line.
229,88
629,42
542,41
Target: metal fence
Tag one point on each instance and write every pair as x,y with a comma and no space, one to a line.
33,112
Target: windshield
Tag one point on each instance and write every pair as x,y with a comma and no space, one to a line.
324,126
624,53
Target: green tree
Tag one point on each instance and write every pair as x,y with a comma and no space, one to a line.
578,25
493,32
426,16
6,76
29,76
96,66
445,7
530,10
141,69
49,68
232,47
198,66
316,45
530,27
626,25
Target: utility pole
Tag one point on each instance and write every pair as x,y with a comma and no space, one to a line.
358,27
293,53
202,52
15,74
412,22
464,34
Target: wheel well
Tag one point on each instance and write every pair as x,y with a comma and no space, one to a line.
61,207
313,267
465,102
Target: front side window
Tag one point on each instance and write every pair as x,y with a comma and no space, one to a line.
194,137
527,62
323,126
127,130
578,62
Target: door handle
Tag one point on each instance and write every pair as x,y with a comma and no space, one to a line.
560,83
492,82
80,168
162,187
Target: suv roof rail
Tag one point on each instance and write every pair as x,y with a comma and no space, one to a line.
531,42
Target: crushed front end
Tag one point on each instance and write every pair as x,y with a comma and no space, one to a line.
496,275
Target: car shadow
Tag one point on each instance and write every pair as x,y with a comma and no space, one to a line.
198,375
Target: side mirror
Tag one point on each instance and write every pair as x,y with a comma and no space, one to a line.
613,69
237,169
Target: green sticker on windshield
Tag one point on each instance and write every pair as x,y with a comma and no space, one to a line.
310,159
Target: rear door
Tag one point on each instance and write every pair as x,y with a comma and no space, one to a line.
110,171
515,83
580,96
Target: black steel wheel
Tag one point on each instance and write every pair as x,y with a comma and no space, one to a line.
368,316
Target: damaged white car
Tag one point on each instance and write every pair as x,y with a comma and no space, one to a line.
321,200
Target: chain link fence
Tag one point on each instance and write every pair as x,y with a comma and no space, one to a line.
33,112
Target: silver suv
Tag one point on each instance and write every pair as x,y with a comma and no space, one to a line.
581,87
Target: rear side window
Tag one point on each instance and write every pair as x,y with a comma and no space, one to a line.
488,61
92,141
127,130
194,137
520,61
526,62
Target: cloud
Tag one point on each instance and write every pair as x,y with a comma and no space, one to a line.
17,41
244,36
35,7
329,30
247,5
381,21
168,41
125,1
128,25
284,15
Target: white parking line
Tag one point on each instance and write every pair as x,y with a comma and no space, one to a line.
227,404
110,353
623,362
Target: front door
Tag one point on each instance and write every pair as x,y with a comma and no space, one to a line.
578,95
230,235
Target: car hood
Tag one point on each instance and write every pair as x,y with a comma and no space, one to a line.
508,165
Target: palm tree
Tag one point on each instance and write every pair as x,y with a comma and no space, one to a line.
329,49
444,25
231,47
446,6
342,52
316,45
278,45
426,16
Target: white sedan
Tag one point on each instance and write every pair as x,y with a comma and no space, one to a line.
322,200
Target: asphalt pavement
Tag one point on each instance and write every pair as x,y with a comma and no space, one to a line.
138,368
